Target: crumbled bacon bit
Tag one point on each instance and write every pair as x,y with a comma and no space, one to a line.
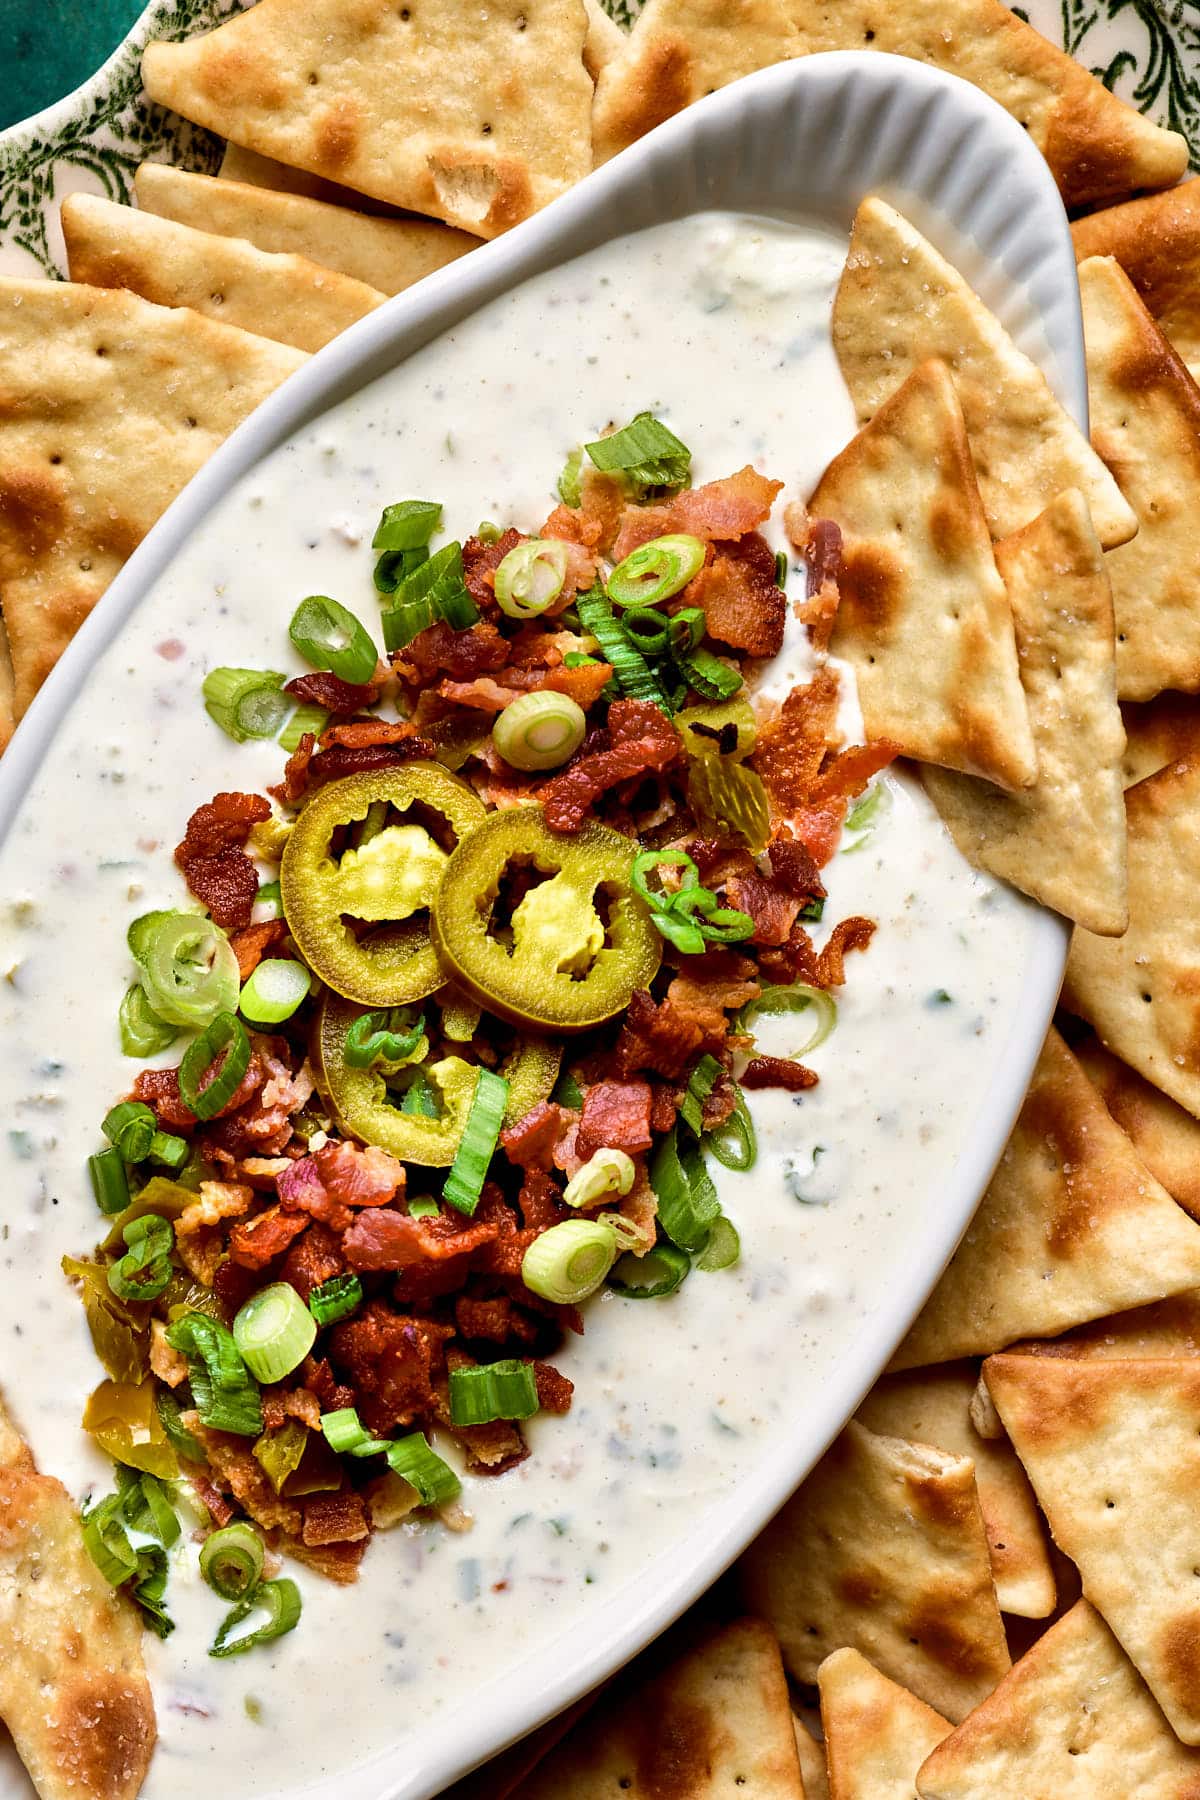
314,1258
641,740
584,685
295,771
212,1497
214,865
320,688
365,734
720,509
530,1142
847,772
492,1449
256,1242
348,759
252,942
819,829
794,868
616,1116
337,1562
439,650
385,1239
794,961
334,1519
392,1361
540,1200
554,1391
480,562
661,1037
159,1089
771,908
791,747
821,543
742,605
777,1071
847,934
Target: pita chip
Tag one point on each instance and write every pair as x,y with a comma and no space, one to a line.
900,302
1063,839
73,1690
884,1548
108,405
1157,732
923,615
877,1734
1145,411
1072,1226
1164,1328
387,255
284,297
933,1406
1165,1136
501,1776
7,716
1156,240
479,128
1141,993
715,1721
1073,1721
814,1772
1112,1447
604,41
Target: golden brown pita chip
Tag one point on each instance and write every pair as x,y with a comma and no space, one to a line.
73,1691
923,615
1164,1328
877,1734
1145,412
1073,1721
1157,732
501,1777
1156,240
715,1722
7,716
1141,993
1165,1137
1063,839
1112,1447
386,254
277,296
253,170
108,405
814,1774
899,302
884,1548
933,1406
478,127
1072,1226
604,39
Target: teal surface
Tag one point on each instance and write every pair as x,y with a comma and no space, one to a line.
47,47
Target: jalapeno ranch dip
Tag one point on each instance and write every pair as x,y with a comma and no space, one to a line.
519,1509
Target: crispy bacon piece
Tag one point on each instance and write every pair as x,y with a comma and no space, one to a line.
794,961
252,942
616,1116
504,1254
791,747
339,1518
821,543
337,1562
664,1103
319,1379
480,562
772,909
541,1201
295,771
391,1361
386,1239
554,1390
642,740
848,934
530,1142
159,1089
583,685
494,1320
439,650
662,1037
337,1177
214,864
321,688
242,1475
281,1404
484,694
492,1449
794,868
350,759
313,1258
213,1499
777,1071
720,509
222,823
233,1286
365,734
226,884
597,519
710,986
819,829
847,772
258,1241
742,605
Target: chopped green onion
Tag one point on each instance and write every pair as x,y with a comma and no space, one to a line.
797,998
656,570
143,1033
530,578
328,636
110,1183
436,590
225,1392
867,813
171,1419
281,1598
345,1432
465,1180
274,991
407,525
306,718
650,1277
144,1272
149,1588
606,1172
734,1144
271,895
383,1040
488,532
645,454
711,678
539,731
631,671
231,1561
172,1152
246,703
500,1390
575,659
701,1082
812,911
145,1505
647,630
434,1479
681,932
570,491
705,1203
781,568
224,1038
424,1206
335,1299
723,1248
566,1091
187,967
130,1129
570,1261
686,1209
660,899
274,1331
107,1541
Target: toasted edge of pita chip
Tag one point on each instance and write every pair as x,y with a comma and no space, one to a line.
1161,1328
1112,1447
884,1548
1165,1136
1159,731
1063,839
923,615
1072,1226
814,1771
1141,993
1072,1721
900,302
8,718
934,1406
877,1734
604,41
1156,240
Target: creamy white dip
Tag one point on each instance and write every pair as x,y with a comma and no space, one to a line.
720,324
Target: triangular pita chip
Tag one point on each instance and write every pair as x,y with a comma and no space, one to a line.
73,1690
1073,1721
1072,1226
501,1777
1112,1447
923,615
604,41
717,1721
1063,839
877,1734
478,126
1165,1136
386,254
1156,240
1163,1328
899,302
814,1774
1145,412
884,1548
1159,731
108,405
1141,993
254,170
284,297
933,1406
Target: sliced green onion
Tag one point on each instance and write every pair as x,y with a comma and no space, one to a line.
661,899
813,911
606,1172
647,630
130,1129
328,636
723,1248
172,1152
530,578
143,1033
711,678
867,813
171,1419
384,1040
107,1541
144,1272
335,1299
797,998
434,1479
681,932
781,568
149,1588
187,966
306,718
688,626
705,1202
701,1082
110,1182
465,1180
575,659
246,703
281,1598
274,1331
685,1211
270,895
145,1505
631,671
566,1091
650,1277
500,1390
274,991
539,731
407,525
226,1038
345,1432
734,1144
656,570
725,925
436,590
424,1206
231,1561
570,491
645,454
225,1392
570,1261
